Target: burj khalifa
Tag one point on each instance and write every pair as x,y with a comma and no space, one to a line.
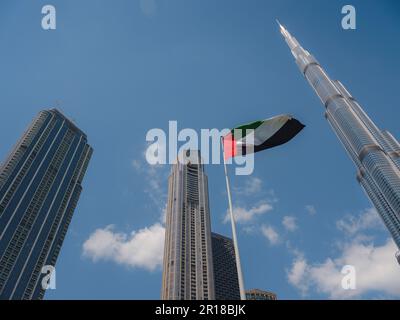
375,153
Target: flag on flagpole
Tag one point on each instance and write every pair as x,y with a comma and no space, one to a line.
260,135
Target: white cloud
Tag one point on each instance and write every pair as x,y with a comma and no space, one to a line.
297,274
375,265
252,186
140,249
164,215
311,210
250,229
270,233
289,223
155,182
148,7
243,215
137,165
368,219
376,271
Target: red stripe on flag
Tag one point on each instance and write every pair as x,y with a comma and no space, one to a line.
229,146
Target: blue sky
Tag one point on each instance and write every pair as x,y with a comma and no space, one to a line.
120,68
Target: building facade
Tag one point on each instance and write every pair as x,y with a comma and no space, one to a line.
40,184
225,271
375,153
188,266
256,294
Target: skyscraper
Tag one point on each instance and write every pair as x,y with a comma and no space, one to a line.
225,270
375,153
188,267
40,184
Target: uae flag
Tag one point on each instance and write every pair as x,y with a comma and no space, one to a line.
260,135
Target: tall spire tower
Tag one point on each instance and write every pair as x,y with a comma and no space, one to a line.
375,153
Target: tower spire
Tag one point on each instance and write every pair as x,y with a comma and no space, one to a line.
375,153
290,40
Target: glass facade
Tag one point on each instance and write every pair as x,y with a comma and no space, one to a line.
40,184
225,271
376,153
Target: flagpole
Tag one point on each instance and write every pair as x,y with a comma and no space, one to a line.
233,224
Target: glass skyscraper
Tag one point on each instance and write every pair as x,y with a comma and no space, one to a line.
40,184
225,270
376,153
188,267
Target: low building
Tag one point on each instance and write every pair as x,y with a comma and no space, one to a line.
256,294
